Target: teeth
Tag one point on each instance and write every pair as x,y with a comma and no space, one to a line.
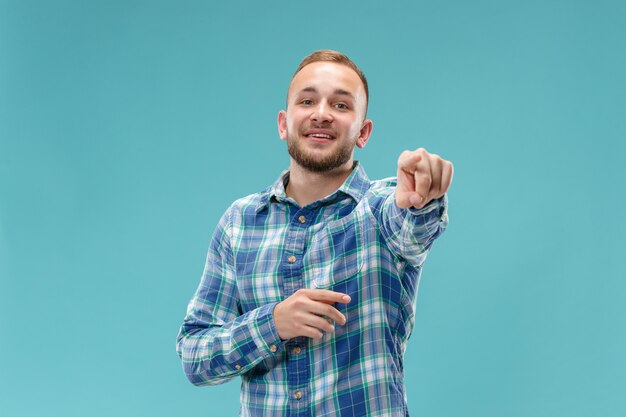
320,135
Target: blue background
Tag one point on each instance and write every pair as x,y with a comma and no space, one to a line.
127,127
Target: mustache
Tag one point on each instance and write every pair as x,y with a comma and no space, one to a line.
321,126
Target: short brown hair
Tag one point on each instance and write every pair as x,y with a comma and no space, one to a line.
328,55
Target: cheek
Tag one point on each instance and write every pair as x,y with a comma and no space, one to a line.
355,129
294,121
290,125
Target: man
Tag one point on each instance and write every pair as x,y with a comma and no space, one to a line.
309,287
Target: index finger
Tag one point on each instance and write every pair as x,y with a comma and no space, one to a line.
423,180
327,296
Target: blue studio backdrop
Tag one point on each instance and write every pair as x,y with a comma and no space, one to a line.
128,127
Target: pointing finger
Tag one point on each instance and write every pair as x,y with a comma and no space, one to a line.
408,161
436,168
423,181
327,296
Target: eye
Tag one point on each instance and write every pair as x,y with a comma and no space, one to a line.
306,101
341,106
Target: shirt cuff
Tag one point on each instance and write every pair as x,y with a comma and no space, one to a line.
440,205
265,334
434,209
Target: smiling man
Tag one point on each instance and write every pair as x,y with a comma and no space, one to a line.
309,287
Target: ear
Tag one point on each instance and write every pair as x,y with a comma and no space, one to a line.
282,124
364,134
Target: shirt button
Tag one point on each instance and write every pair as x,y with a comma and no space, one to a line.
297,395
291,259
302,219
273,348
237,367
297,350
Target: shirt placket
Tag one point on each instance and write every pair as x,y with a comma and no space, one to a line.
298,366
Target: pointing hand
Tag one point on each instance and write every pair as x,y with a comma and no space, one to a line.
422,177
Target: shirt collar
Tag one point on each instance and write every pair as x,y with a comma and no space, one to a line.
354,186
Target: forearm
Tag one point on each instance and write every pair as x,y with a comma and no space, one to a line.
216,341
411,232
216,353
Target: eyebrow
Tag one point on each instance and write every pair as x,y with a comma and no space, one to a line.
337,91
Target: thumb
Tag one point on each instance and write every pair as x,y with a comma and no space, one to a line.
406,199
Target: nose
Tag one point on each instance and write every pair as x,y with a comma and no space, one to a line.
321,113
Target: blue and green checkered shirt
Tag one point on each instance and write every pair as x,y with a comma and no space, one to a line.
266,247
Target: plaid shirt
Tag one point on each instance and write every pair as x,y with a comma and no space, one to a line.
355,241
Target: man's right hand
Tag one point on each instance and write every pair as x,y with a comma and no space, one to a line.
304,313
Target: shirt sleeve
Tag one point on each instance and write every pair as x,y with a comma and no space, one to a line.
216,342
410,233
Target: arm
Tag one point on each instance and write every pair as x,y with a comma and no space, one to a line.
216,342
416,214
410,232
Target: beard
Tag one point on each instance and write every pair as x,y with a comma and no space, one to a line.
319,163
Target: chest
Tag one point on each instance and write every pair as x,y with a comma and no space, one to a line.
283,251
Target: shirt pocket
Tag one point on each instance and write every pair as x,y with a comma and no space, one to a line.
336,251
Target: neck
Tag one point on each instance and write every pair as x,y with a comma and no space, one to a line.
306,187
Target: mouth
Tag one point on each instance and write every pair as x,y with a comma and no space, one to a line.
321,136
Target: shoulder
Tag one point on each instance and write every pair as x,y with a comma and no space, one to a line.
383,186
380,191
248,207
252,200
257,202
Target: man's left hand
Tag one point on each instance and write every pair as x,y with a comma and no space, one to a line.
422,177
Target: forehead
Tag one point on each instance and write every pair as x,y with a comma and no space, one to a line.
327,77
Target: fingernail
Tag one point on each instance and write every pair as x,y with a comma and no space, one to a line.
346,298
